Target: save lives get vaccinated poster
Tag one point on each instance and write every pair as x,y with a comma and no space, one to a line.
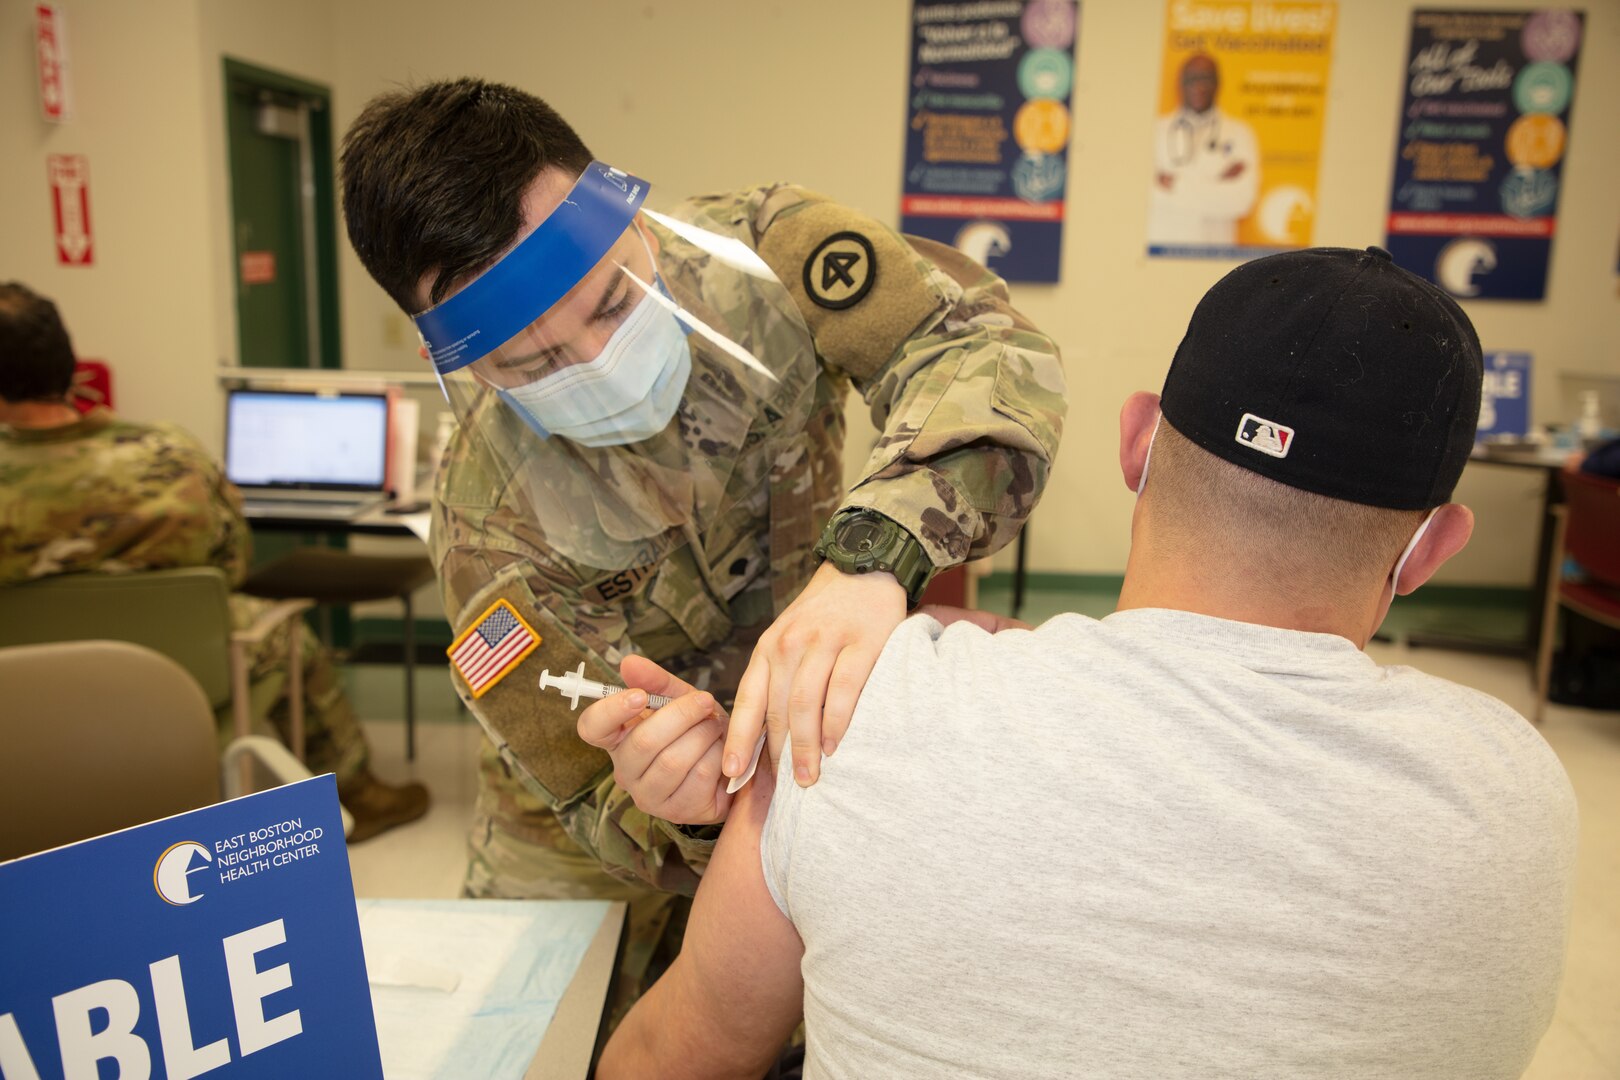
1238,132
1484,129
987,132
222,942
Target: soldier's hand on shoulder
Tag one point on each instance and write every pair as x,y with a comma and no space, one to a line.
810,667
667,759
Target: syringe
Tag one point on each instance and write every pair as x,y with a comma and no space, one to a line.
573,685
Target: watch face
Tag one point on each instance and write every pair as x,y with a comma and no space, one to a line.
860,536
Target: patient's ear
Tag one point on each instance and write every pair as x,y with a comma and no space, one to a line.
1137,419
1446,535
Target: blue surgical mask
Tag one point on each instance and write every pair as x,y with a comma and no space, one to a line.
628,393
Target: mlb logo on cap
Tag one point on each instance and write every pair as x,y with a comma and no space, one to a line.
1266,436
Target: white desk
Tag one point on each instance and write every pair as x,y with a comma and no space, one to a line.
379,521
489,989
376,521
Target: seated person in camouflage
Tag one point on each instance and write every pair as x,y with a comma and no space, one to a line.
95,494
648,466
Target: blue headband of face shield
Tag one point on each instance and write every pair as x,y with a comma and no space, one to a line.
533,276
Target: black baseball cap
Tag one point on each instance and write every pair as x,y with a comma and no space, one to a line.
1333,371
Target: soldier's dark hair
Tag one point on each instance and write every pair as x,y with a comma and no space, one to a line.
433,179
36,355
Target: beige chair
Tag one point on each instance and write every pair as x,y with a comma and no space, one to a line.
103,735
183,614
99,735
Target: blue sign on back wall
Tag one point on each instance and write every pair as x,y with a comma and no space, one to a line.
223,942
987,130
1479,157
1504,400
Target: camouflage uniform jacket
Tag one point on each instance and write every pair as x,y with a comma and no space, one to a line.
969,398
111,496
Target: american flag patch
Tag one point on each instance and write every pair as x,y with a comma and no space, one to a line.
491,647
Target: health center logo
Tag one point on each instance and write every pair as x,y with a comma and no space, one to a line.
171,875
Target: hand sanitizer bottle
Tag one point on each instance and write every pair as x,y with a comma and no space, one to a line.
1590,425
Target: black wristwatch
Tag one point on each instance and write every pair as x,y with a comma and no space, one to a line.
859,541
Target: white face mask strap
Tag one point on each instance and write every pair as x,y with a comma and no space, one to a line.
1395,579
436,372
652,263
1142,482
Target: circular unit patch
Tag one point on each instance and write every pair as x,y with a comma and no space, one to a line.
841,271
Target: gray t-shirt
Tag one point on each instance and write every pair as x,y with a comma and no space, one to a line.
1168,845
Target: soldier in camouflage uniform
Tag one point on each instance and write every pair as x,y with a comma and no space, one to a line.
95,494
968,395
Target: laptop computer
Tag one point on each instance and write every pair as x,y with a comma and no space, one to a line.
307,454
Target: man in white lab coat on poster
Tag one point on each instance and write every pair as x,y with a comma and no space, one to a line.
1206,166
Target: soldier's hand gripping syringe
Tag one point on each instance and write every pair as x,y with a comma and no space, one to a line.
573,685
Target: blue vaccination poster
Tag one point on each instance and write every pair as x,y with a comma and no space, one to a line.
224,941
1484,128
1504,400
987,130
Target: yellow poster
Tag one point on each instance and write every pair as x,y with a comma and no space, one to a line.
1238,131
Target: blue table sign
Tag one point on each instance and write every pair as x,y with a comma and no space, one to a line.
1504,406
221,942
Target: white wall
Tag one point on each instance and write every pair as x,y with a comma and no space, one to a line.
720,94
159,301
146,304
732,92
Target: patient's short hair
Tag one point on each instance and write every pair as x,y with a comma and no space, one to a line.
1330,547
36,355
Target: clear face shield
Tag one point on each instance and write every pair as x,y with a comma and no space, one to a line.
614,366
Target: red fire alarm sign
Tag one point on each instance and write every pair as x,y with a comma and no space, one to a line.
70,201
50,47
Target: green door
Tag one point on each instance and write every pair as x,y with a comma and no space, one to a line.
284,245
279,132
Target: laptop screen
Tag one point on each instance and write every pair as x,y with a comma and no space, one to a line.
287,439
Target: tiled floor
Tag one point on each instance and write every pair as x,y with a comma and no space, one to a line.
425,859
